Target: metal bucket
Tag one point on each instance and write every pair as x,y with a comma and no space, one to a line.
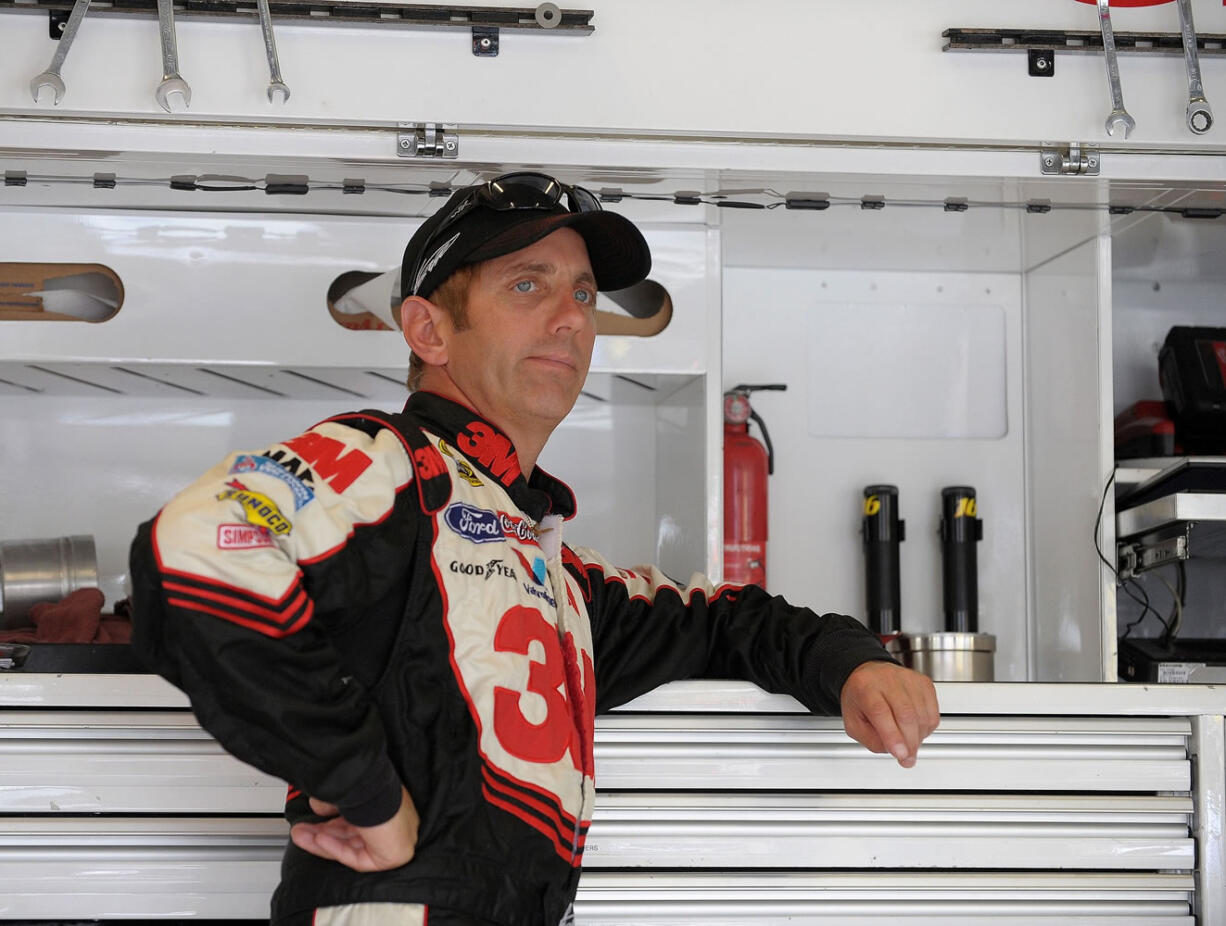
42,570
948,657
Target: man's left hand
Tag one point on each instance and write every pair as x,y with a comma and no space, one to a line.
890,709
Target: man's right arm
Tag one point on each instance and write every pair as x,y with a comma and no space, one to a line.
246,583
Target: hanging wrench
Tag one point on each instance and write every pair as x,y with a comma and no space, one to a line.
51,77
1119,117
172,84
1200,116
276,84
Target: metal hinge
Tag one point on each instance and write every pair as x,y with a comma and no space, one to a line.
427,140
1071,160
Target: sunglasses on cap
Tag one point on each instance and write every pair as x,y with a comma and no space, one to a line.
523,189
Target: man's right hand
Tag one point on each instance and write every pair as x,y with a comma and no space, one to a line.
362,848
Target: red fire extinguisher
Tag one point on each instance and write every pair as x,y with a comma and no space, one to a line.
747,464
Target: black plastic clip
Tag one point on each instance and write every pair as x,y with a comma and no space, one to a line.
104,181
14,178
1121,210
687,198
1195,212
872,202
1038,207
611,195
353,186
956,204
184,182
288,184
814,202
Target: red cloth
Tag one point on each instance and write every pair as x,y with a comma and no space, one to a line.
76,619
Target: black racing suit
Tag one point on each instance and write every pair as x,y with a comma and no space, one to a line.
386,599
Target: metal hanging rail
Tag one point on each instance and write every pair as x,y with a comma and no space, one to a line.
1077,41
545,18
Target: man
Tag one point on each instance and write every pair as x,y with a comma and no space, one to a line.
382,611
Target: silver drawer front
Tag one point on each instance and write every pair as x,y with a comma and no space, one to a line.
1000,753
885,899
702,818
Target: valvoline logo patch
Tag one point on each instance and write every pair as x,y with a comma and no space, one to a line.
535,569
473,523
246,463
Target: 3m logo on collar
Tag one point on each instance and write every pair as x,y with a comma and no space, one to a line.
491,449
327,455
252,464
258,508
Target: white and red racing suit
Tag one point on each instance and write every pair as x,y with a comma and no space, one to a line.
386,599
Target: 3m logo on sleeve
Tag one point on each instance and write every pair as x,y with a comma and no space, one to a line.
258,508
328,457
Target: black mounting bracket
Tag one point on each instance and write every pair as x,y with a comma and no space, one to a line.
485,41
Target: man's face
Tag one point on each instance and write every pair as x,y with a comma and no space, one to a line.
524,354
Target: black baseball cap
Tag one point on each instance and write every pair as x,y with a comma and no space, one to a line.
511,212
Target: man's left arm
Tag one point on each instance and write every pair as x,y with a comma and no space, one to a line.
648,630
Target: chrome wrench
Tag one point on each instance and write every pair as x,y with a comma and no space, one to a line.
276,85
1200,116
172,84
51,78
1119,117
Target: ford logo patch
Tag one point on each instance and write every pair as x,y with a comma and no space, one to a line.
472,523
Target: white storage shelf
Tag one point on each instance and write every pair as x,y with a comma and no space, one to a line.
1083,804
243,295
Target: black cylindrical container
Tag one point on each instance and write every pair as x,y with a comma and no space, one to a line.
960,531
882,532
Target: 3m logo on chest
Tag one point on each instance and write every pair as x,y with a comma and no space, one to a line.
330,459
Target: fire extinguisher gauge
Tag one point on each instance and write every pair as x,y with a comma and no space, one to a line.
736,407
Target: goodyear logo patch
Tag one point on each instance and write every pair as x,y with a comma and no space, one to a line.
263,465
258,508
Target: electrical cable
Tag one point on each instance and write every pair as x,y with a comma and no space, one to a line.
1146,607
1176,617
790,201
1098,521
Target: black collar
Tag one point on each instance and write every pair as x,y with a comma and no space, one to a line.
491,451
